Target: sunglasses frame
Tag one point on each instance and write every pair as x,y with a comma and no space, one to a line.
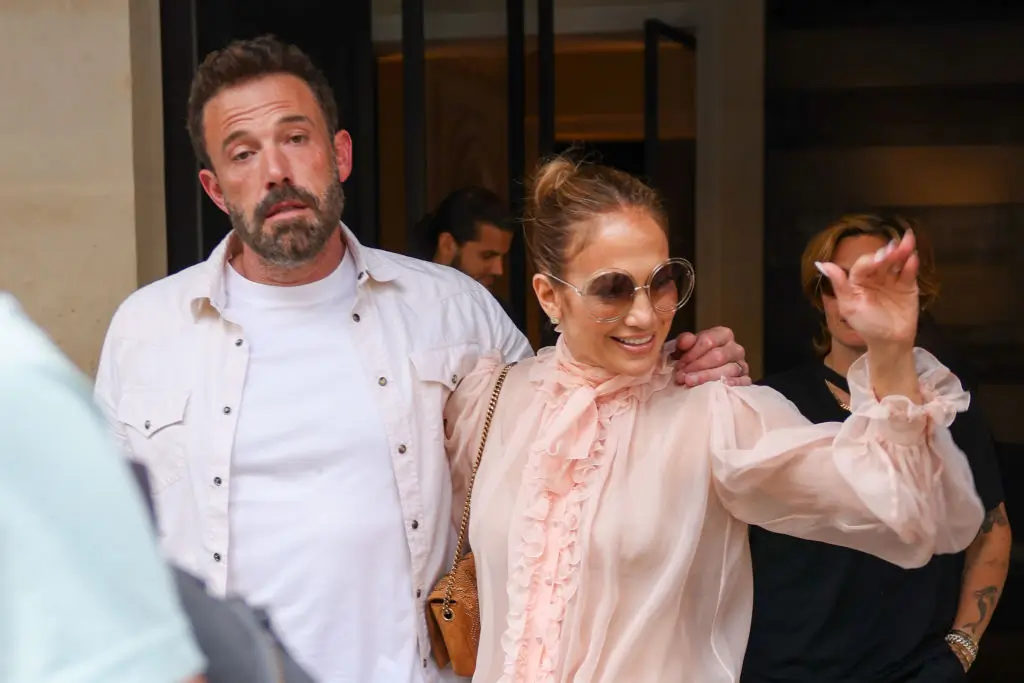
683,299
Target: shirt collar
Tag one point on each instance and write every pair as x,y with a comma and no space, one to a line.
209,288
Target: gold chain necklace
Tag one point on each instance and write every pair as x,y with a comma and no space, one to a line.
834,390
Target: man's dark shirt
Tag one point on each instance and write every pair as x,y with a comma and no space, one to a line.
826,614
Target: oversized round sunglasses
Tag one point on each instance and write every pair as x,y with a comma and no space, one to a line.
608,294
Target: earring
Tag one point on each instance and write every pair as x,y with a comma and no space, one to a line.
554,321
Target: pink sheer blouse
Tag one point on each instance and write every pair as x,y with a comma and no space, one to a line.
609,513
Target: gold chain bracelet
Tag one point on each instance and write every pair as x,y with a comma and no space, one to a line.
963,646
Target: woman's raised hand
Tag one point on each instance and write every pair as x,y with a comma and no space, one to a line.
878,298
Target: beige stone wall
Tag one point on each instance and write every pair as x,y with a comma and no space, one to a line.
81,173
730,171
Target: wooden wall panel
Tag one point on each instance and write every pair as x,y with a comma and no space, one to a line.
983,114
979,295
827,179
1001,404
896,13
881,56
924,120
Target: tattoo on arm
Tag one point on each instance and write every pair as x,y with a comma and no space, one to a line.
987,598
993,519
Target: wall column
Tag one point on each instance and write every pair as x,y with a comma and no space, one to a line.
81,174
730,171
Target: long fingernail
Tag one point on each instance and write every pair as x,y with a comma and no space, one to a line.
821,269
881,254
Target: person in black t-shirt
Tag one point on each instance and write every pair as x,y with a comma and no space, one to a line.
825,614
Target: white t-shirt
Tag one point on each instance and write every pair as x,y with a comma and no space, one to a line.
316,527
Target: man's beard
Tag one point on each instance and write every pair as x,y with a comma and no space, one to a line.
486,280
294,241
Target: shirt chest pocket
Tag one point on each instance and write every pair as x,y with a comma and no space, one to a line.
437,372
155,427
444,367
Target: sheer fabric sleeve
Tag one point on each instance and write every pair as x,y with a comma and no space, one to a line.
464,416
888,481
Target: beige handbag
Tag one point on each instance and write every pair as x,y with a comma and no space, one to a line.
453,608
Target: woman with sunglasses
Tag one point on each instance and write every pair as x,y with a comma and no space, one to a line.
609,510
827,614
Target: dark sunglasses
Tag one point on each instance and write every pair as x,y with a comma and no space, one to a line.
608,294
825,285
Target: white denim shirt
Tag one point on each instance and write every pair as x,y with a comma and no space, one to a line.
172,371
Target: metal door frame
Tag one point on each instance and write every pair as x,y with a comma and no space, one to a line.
656,31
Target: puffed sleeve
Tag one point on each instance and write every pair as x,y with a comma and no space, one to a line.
888,481
464,415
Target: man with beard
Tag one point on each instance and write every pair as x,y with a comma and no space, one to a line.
286,395
470,230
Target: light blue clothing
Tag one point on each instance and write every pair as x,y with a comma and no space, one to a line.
84,594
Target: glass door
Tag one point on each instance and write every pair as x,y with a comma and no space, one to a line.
670,151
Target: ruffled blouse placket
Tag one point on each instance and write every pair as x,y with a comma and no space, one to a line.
566,467
546,576
551,577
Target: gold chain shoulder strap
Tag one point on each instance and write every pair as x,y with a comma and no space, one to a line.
464,525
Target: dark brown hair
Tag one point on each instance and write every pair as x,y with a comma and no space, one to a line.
461,214
246,60
823,247
566,194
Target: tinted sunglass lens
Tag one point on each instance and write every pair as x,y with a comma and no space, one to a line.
671,286
609,295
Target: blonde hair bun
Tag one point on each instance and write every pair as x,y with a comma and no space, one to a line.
566,194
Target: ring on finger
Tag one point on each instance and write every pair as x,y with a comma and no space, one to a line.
739,366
